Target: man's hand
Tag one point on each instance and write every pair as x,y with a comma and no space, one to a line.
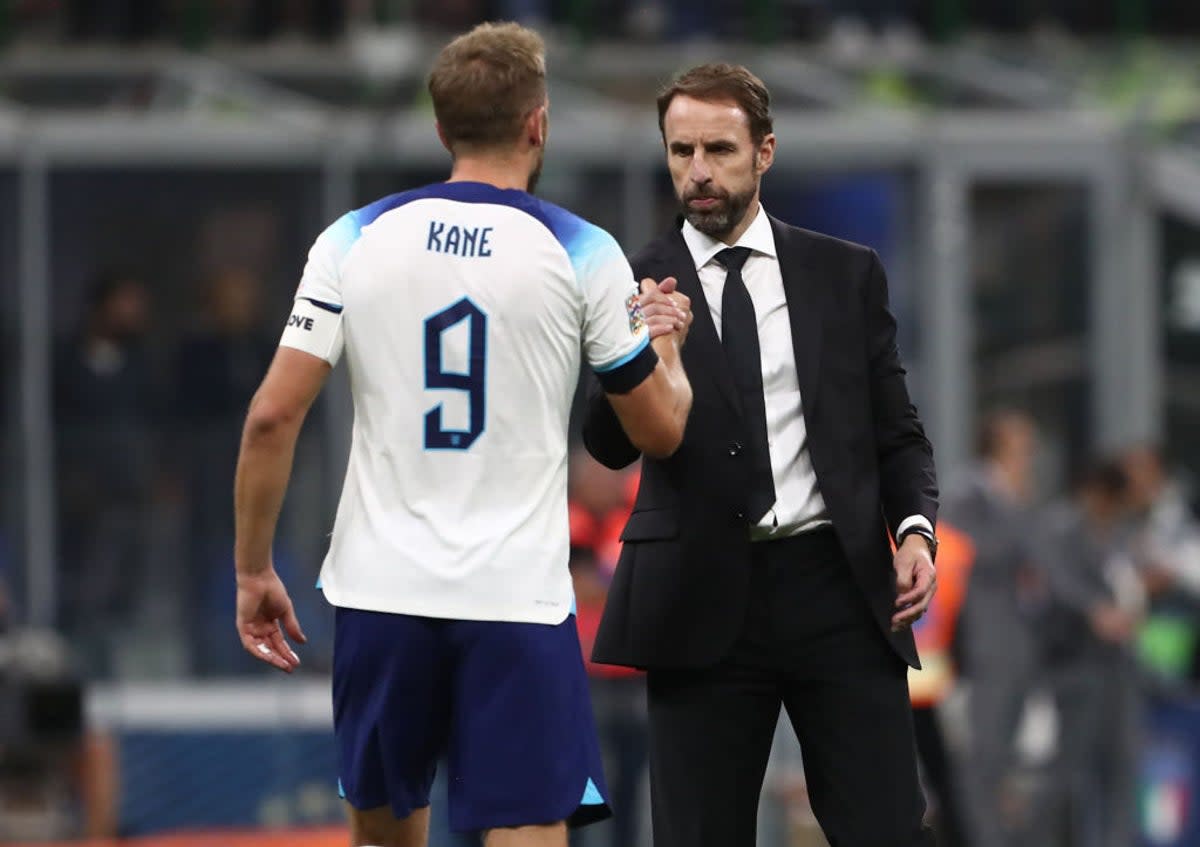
264,612
664,309
916,581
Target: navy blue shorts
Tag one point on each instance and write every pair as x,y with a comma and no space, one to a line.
506,704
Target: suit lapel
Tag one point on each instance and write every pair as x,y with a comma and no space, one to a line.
806,305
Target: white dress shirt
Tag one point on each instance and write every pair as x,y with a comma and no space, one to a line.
799,506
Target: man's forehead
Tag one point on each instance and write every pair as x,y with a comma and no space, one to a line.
704,119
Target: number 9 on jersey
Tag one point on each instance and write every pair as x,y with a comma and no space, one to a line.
472,381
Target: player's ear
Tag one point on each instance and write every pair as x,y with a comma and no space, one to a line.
764,156
537,126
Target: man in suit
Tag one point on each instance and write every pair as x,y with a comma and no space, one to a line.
756,569
993,504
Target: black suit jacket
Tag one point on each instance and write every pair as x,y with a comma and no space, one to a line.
678,597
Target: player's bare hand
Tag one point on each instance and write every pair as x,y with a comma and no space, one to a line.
264,614
661,312
916,581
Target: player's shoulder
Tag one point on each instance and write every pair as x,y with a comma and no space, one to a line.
587,245
337,241
366,215
340,235
570,230
347,228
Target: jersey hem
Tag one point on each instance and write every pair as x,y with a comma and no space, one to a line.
442,611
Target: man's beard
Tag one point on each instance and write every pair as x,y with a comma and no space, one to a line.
722,218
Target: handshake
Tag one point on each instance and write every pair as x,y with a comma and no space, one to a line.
665,310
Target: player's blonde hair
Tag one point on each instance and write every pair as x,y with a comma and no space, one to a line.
486,82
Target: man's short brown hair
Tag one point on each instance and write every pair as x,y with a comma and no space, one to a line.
722,82
486,82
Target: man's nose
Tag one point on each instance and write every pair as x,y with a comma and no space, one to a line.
699,172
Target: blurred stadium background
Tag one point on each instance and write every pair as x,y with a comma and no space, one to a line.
1029,172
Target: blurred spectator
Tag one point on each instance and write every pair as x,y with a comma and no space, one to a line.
600,503
1097,602
929,686
105,405
996,641
218,368
1166,547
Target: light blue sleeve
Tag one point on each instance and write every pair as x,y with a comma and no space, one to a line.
315,322
321,280
614,331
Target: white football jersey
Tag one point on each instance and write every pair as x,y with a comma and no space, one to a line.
462,310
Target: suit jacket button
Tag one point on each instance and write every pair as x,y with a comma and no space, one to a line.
740,515
735,449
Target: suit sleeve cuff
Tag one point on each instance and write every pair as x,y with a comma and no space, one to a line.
914,522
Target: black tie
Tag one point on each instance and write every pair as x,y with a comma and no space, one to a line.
739,337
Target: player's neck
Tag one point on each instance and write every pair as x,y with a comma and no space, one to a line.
498,171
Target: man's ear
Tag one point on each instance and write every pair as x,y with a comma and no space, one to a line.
764,156
536,126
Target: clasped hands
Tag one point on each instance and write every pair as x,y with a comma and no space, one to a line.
664,309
